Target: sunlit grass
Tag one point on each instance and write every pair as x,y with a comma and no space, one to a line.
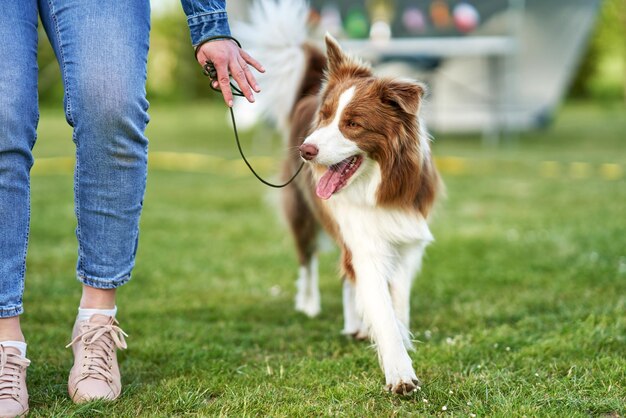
520,309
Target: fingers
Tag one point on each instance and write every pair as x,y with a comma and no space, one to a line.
249,76
239,75
247,58
228,58
224,81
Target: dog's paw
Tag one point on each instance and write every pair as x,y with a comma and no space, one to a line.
356,335
308,301
403,387
309,306
400,377
361,335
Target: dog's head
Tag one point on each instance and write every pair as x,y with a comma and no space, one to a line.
363,119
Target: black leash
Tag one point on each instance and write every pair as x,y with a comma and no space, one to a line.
209,71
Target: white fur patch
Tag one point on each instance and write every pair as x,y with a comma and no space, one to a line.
332,145
274,36
351,317
308,296
424,138
387,246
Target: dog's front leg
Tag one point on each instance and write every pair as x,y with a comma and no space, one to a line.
409,264
373,272
352,323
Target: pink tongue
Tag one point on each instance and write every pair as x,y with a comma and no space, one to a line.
330,181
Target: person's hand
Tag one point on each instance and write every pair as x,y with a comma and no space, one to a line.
227,58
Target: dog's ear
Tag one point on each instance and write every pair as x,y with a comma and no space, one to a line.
336,57
342,65
404,95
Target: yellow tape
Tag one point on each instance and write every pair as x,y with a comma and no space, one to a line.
611,171
202,163
451,165
550,169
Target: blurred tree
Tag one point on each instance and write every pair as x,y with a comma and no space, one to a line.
174,75
173,72
50,83
602,73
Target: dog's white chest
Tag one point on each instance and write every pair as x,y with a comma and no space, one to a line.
364,224
371,226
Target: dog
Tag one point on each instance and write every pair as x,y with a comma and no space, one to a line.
369,180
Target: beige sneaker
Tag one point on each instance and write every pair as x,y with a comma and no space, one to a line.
95,374
13,393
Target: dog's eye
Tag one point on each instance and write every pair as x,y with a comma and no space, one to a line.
352,124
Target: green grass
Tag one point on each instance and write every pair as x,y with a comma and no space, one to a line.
520,309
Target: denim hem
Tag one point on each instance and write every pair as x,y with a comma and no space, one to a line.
206,25
102,283
11,311
206,16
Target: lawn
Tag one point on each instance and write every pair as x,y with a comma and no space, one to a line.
520,309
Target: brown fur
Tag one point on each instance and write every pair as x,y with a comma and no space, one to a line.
305,212
389,135
347,269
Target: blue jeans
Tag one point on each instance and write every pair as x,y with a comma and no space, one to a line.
102,48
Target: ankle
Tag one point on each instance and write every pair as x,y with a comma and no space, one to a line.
93,298
10,329
12,336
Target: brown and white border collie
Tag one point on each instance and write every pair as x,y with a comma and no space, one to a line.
370,181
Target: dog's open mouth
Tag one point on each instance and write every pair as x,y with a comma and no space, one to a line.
337,176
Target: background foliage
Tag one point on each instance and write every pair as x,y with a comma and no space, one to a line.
602,73
174,75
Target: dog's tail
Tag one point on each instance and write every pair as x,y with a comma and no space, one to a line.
275,35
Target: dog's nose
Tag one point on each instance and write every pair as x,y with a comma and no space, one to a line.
308,151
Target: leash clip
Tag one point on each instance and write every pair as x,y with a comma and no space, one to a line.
209,71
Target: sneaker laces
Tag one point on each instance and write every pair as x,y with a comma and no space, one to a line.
11,368
100,341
